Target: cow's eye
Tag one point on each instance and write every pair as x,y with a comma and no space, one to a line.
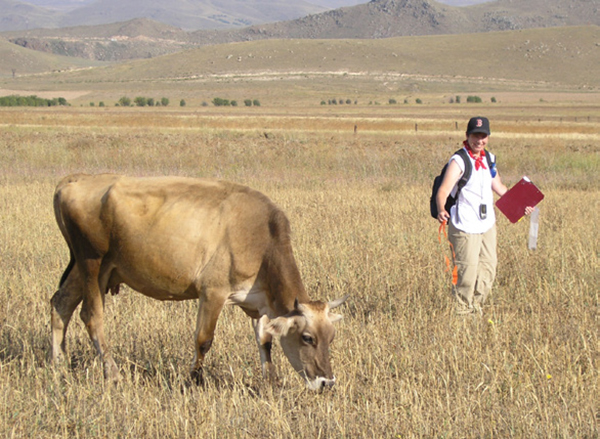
308,339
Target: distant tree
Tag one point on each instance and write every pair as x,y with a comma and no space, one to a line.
91,104
248,102
62,101
458,99
182,103
101,104
392,101
164,101
418,101
205,104
256,103
333,102
323,103
406,101
28,101
150,102
348,101
124,101
234,103
493,100
474,99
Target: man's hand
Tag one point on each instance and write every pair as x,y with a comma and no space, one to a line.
443,216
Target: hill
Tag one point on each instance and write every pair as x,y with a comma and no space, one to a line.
191,15
139,38
393,18
17,61
553,59
143,38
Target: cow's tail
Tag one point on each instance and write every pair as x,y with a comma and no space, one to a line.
64,276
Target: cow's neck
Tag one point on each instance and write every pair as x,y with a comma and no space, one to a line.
284,282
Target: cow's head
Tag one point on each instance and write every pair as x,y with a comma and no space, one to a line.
305,335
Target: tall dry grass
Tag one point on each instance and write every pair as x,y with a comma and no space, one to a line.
406,366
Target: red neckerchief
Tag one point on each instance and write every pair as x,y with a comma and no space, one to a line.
478,160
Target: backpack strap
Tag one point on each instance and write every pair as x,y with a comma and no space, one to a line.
491,162
466,173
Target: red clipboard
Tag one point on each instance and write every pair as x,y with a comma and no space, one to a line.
513,203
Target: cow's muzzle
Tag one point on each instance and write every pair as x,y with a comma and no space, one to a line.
320,383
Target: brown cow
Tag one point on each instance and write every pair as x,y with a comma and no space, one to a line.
175,238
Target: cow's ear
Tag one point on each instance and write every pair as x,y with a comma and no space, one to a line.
280,326
338,302
333,317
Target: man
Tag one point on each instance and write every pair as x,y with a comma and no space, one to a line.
472,220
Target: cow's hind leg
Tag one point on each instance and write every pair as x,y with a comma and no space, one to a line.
208,314
92,314
63,304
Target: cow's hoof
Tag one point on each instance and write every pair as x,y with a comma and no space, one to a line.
197,377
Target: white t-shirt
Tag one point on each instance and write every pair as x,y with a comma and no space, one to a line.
465,214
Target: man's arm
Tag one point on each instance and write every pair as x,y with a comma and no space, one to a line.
453,174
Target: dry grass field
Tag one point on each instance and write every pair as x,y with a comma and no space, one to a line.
406,365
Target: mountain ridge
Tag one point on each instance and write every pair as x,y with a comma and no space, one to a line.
144,38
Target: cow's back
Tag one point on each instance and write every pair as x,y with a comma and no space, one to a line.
170,237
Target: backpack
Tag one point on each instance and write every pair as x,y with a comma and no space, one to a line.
437,182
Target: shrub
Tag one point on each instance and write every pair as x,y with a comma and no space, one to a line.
164,101
150,102
220,102
125,101
182,103
101,104
392,101
418,101
493,100
248,102
473,99
256,103
458,99
140,101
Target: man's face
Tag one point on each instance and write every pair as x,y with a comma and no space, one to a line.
477,142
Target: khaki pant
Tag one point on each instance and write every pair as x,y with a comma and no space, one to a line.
476,261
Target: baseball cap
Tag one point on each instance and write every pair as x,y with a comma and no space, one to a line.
478,125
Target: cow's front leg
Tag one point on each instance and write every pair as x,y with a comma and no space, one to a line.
208,313
265,343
